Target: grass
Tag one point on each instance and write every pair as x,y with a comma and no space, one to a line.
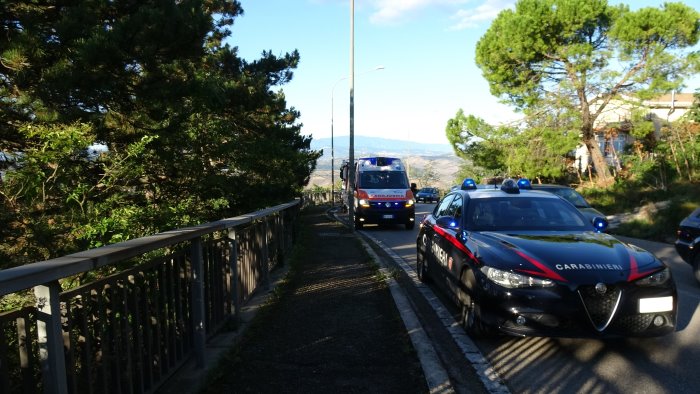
628,196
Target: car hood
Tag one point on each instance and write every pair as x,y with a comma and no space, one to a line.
570,258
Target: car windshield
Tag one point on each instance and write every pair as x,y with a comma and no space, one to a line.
383,180
523,213
570,195
427,190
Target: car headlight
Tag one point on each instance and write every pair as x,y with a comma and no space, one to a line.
364,203
409,203
514,280
655,279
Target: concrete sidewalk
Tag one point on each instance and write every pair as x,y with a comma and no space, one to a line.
330,325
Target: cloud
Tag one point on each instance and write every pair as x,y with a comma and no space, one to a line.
397,11
388,12
487,11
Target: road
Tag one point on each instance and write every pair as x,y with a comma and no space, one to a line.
547,365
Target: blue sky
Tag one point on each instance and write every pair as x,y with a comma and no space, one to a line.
427,49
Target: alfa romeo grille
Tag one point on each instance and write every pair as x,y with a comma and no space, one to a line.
600,306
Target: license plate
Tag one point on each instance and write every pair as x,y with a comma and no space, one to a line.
659,304
387,216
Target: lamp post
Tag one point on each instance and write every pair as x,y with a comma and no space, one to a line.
351,155
332,135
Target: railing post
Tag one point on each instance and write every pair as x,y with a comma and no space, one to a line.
279,233
199,331
50,338
265,255
233,266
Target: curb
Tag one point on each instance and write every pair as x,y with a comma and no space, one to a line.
436,375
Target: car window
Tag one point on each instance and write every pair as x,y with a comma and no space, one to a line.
455,208
570,195
442,208
523,213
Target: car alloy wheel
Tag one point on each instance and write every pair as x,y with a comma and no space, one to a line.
469,319
421,267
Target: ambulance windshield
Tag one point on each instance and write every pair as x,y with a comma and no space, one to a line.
383,180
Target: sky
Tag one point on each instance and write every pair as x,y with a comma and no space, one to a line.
426,48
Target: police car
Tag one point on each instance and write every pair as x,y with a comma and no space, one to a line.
527,263
688,241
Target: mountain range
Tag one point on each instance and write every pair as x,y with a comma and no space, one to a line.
366,146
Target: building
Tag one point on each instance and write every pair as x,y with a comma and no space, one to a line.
613,125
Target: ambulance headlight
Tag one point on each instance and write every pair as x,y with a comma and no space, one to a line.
409,203
363,203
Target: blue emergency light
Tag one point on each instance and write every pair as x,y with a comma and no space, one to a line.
524,184
468,184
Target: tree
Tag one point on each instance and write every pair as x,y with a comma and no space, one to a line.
475,140
537,150
589,53
193,132
427,176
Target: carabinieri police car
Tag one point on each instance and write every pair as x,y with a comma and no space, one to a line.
527,263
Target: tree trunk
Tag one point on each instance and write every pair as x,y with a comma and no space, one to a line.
603,176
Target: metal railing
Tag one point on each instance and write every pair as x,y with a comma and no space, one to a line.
323,198
131,330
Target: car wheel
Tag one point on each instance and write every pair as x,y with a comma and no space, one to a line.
696,267
470,317
422,267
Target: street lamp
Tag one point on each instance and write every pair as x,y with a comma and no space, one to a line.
332,140
351,155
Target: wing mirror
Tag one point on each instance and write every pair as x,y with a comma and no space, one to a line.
448,222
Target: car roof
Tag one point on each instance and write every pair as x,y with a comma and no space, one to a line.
496,193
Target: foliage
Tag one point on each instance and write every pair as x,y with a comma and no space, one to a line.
192,132
427,176
661,227
587,52
537,151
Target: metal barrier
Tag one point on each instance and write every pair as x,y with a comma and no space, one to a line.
129,331
322,198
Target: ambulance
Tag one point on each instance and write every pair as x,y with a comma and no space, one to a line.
382,193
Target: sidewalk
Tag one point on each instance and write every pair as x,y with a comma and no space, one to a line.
333,328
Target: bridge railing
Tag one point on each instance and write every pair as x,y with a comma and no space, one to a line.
156,302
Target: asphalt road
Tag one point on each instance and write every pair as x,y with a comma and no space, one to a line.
547,365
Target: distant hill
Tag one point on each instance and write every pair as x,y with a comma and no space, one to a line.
375,146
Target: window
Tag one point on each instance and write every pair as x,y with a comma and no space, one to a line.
442,209
523,213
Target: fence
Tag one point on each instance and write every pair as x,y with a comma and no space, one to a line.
131,330
323,198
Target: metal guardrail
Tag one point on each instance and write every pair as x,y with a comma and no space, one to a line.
323,198
128,332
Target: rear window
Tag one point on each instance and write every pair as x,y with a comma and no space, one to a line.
523,213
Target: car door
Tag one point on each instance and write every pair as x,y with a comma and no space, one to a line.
428,236
447,228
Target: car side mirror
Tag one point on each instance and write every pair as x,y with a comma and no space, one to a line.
600,224
448,222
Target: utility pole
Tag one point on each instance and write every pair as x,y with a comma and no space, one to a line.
351,154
